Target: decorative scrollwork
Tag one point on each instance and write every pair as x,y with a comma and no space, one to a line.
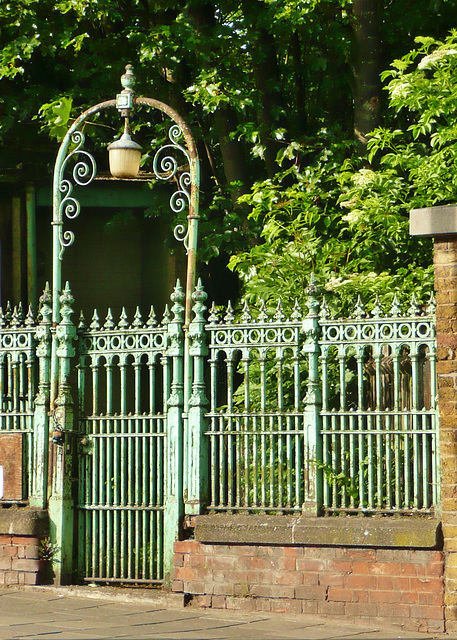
165,167
83,172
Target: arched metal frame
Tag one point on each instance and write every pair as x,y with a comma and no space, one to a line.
84,171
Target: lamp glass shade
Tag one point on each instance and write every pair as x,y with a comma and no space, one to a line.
124,157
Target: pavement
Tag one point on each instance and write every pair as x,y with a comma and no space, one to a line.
83,613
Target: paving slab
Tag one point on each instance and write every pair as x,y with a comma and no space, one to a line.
48,613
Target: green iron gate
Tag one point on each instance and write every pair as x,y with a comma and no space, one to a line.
123,386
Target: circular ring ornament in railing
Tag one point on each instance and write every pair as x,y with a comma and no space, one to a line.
254,335
220,337
368,332
350,332
405,330
271,335
424,330
387,331
238,336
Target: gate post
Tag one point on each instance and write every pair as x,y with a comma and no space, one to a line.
196,489
61,500
173,509
313,403
39,494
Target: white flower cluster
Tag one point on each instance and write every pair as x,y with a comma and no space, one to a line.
428,61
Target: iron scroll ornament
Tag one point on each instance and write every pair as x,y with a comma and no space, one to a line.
165,168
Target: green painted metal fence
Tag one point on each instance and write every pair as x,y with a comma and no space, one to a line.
320,413
258,411
18,383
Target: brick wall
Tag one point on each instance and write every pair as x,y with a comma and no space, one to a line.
445,262
19,563
395,587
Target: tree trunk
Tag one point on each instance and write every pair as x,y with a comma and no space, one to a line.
366,68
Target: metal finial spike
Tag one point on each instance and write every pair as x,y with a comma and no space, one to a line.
279,316
166,316
229,316
213,317
296,314
109,322
246,316
8,312
414,308
137,321
359,310
2,318
431,306
376,312
152,320
325,310
263,315
82,322
123,321
95,324
15,320
20,312
395,309
30,317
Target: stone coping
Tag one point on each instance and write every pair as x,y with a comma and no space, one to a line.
433,221
352,531
23,521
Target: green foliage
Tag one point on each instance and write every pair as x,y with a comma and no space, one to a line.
347,220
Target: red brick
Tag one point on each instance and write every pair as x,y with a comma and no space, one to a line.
337,581
307,592
293,552
433,613
358,609
386,596
184,573
287,564
339,595
32,553
11,577
360,582
361,567
178,560
5,539
261,563
197,560
286,606
194,586
221,562
359,554
384,569
309,607
5,564
331,608
394,610
310,564
341,566
8,551
263,604
30,578
25,564
435,569
177,586
26,541
218,602
433,585
187,546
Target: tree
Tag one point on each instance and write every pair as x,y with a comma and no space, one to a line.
347,220
258,81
